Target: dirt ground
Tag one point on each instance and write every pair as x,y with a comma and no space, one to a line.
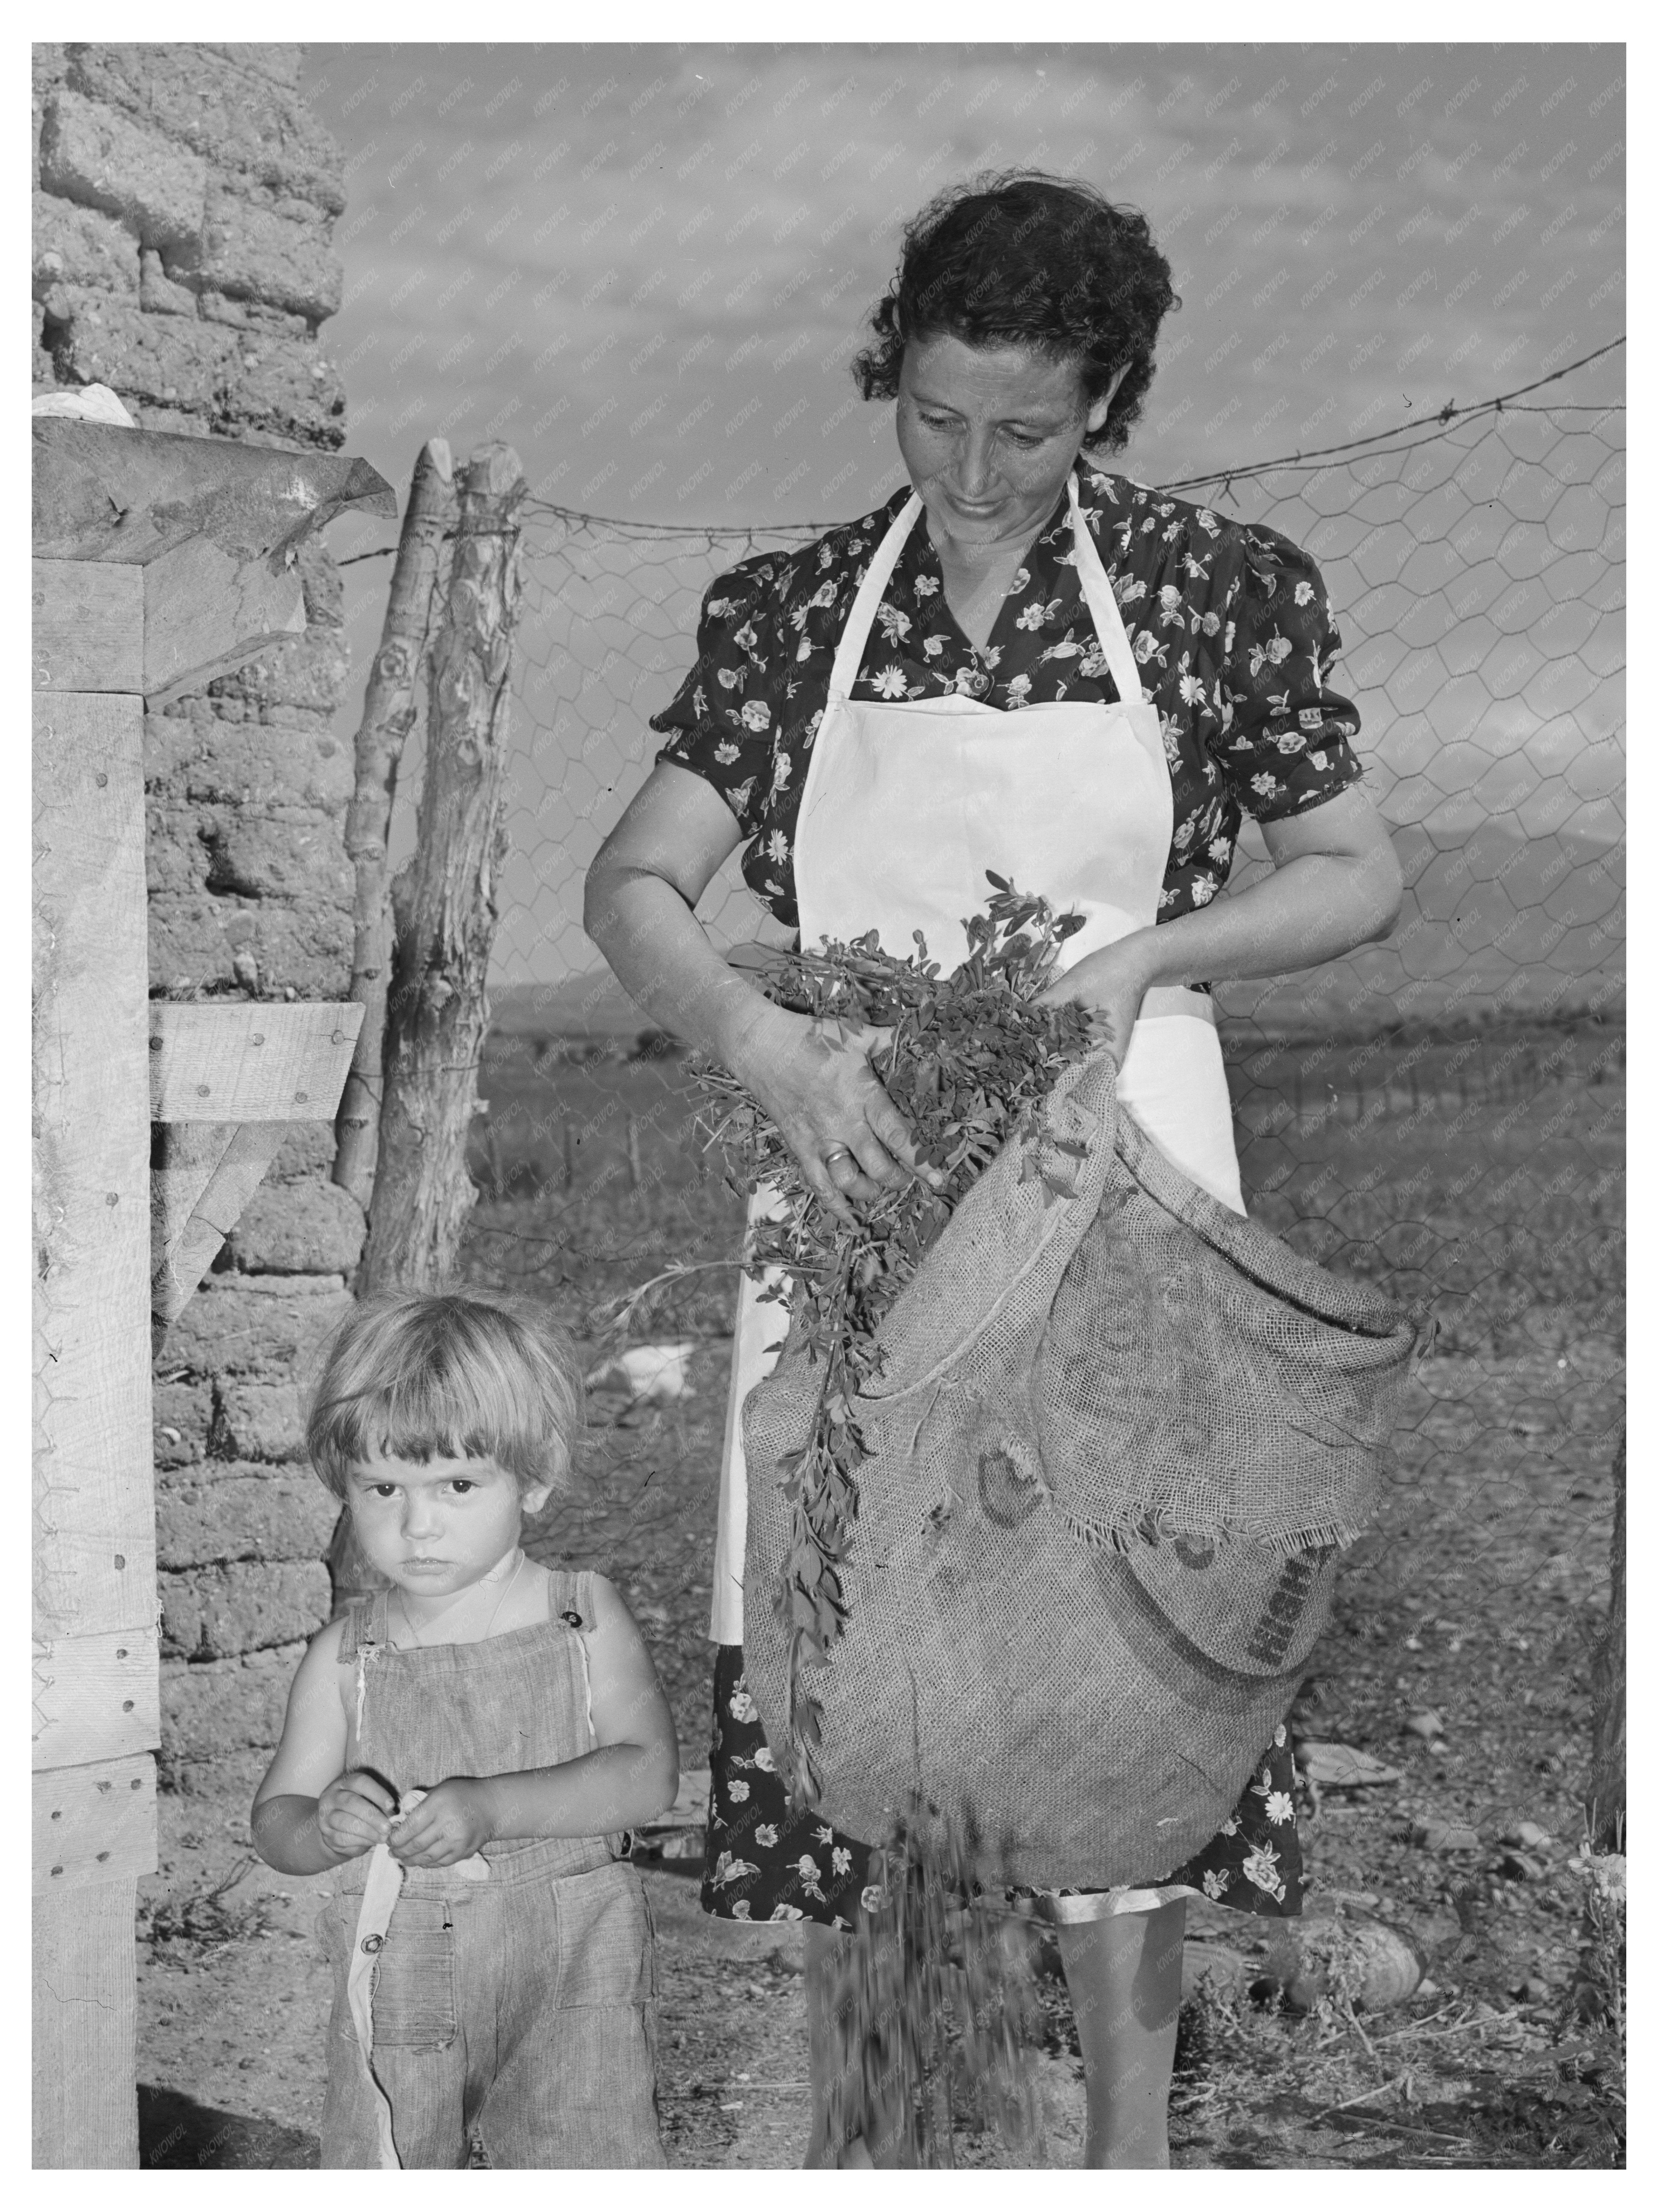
1457,1656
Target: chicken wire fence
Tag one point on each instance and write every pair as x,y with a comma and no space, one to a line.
1476,565
1442,1111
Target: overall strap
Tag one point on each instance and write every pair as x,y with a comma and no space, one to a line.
849,653
571,1603
1102,605
365,1635
570,1598
364,1626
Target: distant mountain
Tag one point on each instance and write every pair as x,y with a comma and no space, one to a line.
1495,920
589,1005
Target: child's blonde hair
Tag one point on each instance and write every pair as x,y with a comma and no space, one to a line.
414,1374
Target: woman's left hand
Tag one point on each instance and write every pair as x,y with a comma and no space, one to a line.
1113,980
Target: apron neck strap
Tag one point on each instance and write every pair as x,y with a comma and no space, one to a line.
1102,605
849,653
1090,573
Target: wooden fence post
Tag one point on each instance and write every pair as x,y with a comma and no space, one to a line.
444,903
388,715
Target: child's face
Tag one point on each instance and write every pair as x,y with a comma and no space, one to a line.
433,1528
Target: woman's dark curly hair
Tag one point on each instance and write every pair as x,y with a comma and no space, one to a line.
1023,258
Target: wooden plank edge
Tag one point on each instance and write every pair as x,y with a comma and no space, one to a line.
94,1824
203,1063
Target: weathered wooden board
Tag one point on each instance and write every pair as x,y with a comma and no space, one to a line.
87,628
209,1171
128,498
96,1696
94,1823
105,493
84,2052
205,612
248,1062
94,1553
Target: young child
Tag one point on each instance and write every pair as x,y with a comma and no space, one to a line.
465,1749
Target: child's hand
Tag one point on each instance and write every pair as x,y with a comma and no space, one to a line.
450,1823
354,1814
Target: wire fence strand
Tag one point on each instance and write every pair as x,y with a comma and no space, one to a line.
1476,562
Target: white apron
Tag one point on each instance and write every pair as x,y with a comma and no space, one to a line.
906,805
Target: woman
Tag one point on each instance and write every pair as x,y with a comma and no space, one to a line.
1021,663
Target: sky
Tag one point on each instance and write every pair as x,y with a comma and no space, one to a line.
647,267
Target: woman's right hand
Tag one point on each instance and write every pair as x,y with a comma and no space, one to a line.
814,1079
353,1813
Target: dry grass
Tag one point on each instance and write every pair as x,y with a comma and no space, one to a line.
189,1923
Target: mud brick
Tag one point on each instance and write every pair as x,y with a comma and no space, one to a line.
183,1414
249,252
298,1228
235,1705
175,859
243,1513
218,1611
152,415
157,293
295,855
307,1153
247,1326
99,340
305,943
246,118
202,759
324,589
196,939
104,159
173,735
308,672
80,245
287,390
250,315
258,1421
281,64
190,945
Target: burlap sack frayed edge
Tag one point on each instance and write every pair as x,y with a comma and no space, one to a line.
1086,1095
1065,1145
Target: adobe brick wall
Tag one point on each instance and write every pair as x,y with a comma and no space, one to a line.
184,205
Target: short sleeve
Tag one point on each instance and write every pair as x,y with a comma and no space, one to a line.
1285,742
721,724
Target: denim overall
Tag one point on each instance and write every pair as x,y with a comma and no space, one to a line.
512,1998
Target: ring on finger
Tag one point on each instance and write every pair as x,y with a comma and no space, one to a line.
837,1152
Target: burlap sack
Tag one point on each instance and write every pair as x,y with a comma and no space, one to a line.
1120,1435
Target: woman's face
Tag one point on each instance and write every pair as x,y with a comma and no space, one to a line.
989,435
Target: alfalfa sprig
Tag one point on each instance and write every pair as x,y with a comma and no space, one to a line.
968,1060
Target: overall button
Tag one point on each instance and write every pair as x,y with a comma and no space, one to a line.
372,1943
974,681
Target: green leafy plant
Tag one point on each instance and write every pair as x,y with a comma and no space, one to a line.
968,1060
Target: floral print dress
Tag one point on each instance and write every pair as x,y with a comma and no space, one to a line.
1230,624
764,1863
1235,637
